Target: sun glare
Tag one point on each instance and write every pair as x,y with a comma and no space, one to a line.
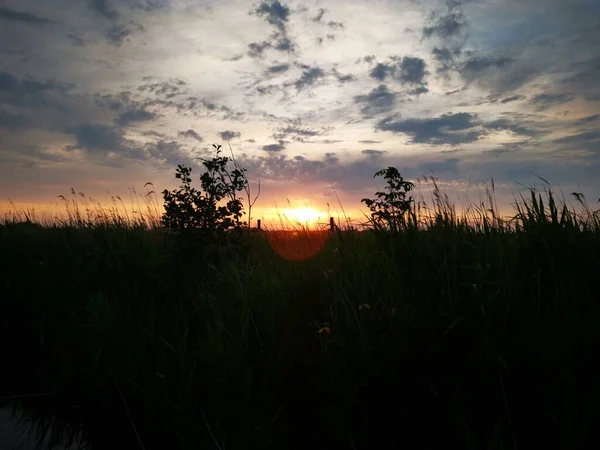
304,215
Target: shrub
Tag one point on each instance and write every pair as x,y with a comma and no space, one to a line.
215,207
391,210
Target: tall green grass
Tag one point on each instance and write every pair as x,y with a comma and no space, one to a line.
465,331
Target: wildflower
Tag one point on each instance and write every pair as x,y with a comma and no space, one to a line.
364,306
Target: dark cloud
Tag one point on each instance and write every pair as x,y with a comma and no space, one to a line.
309,77
588,119
545,101
418,91
12,122
504,148
380,71
190,134
412,70
483,63
104,8
266,90
274,147
252,141
283,44
275,13
170,153
256,49
447,167
98,137
116,34
331,24
379,100
228,135
76,40
319,15
11,14
449,129
516,126
330,141
31,93
371,152
444,26
134,115
279,68
296,132
407,70
343,78
514,98
368,141
579,138
276,41
445,58
11,85
157,134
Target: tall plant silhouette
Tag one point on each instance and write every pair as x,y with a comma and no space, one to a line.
391,210
216,206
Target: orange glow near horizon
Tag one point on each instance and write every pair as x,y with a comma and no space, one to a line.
306,216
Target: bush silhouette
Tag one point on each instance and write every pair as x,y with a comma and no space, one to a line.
391,210
216,207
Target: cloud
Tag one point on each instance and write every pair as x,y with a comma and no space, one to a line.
9,84
380,71
369,141
371,152
516,126
448,129
190,134
296,132
134,115
445,58
545,101
589,119
319,15
116,34
275,13
279,68
444,26
228,135
11,14
407,70
12,122
104,8
379,100
514,98
447,167
412,70
274,147
309,77
169,153
98,137
579,138
343,78
479,64
76,40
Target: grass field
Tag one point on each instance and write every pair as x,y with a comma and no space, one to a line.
461,332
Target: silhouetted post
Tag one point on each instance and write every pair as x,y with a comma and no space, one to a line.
331,224
258,223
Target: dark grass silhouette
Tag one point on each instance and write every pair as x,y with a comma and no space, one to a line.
451,331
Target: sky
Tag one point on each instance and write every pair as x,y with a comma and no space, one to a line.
314,97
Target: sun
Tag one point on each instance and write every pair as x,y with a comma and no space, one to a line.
304,215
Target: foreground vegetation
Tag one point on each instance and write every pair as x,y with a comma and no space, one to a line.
440,332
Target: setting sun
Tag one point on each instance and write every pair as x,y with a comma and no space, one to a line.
304,215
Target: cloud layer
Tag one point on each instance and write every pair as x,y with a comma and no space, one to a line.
307,96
